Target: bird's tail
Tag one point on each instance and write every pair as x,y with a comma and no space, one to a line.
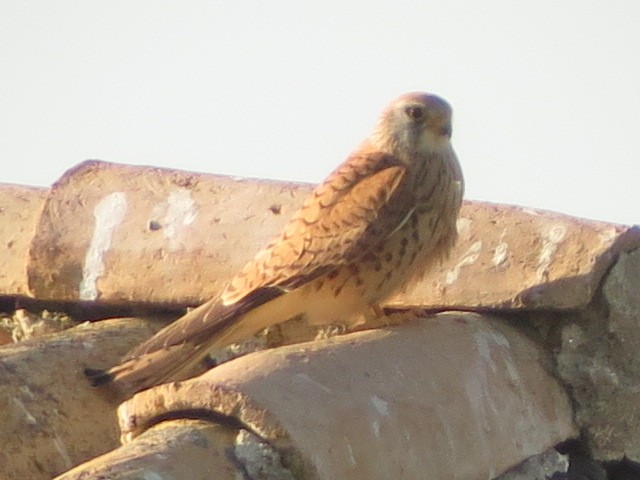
160,366
175,352
97,376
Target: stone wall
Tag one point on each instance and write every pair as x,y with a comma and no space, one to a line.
515,359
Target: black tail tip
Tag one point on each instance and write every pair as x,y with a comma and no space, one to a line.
98,376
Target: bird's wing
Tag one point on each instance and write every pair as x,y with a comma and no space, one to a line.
331,228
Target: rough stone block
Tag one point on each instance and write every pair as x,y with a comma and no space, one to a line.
599,360
454,396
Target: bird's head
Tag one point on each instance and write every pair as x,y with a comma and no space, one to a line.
414,123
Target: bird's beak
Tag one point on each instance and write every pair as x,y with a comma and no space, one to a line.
440,126
445,130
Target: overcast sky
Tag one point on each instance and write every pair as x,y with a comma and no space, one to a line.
546,93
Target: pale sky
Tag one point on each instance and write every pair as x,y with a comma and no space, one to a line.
546,94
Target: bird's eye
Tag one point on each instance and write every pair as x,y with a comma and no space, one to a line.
415,112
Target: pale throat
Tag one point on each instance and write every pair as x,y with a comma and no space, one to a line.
430,142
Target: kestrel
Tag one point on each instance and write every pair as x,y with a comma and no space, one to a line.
386,214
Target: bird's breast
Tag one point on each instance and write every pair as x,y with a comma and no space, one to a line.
415,230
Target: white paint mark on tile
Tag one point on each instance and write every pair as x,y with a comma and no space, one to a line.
550,242
350,456
382,406
469,258
531,211
485,342
108,214
381,410
62,450
26,392
310,381
500,252
28,416
376,428
608,235
151,475
181,212
462,225
480,403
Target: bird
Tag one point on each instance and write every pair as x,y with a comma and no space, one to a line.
381,219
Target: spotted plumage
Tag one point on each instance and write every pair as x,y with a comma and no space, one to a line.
380,219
